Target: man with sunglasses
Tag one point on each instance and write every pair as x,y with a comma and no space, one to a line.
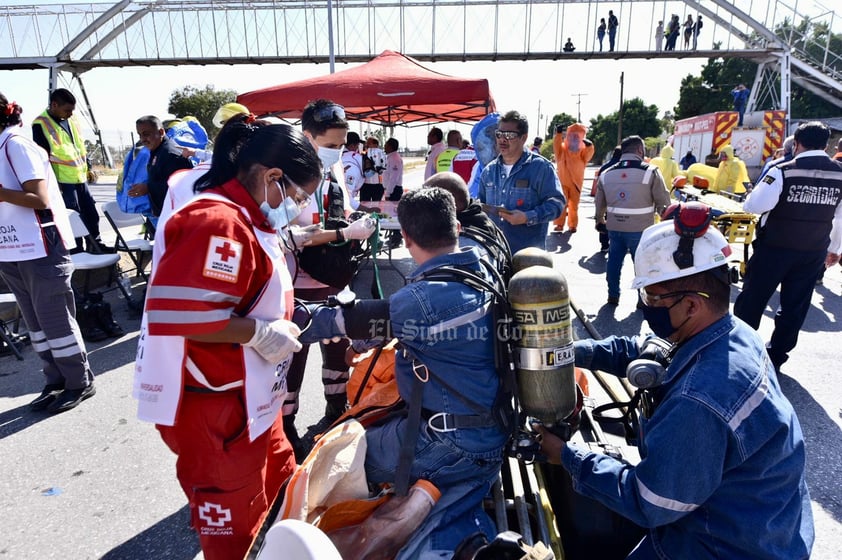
722,454
323,123
522,185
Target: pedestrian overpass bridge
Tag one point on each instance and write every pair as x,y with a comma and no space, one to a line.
791,40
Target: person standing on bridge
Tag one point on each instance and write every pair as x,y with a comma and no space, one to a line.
613,23
697,28
800,232
659,37
600,32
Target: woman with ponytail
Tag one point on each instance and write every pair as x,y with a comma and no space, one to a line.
35,237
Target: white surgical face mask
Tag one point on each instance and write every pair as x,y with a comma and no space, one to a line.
284,214
329,156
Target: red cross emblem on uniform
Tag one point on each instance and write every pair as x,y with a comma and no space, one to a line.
214,514
225,252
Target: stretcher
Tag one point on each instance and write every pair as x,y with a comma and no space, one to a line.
537,500
737,225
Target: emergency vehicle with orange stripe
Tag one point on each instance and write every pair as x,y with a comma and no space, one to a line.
755,142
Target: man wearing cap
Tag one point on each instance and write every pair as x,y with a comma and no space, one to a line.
722,463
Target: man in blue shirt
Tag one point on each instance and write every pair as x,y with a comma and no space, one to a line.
446,332
522,185
722,453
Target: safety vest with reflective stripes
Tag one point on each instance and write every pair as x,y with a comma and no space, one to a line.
444,159
67,155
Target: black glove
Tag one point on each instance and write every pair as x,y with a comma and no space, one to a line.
601,228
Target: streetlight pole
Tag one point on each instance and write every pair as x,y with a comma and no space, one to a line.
578,105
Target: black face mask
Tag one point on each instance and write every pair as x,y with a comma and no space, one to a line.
659,319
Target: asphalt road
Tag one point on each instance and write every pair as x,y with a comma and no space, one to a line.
95,482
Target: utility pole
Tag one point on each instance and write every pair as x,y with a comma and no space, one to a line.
578,105
540,116
620,123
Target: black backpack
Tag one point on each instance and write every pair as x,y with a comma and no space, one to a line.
333,263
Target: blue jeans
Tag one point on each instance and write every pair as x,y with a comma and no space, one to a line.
620,243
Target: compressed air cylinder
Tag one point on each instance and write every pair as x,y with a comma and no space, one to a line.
531,256
543,343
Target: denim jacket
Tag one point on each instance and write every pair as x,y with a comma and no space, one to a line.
449,328
531,187
722,468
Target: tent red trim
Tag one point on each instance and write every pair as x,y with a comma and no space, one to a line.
390,89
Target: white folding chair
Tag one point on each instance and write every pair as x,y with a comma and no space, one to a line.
133,244
88,262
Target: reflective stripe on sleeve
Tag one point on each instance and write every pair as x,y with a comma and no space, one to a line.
662,502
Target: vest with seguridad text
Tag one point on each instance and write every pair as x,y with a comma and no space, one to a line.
803,217
67,155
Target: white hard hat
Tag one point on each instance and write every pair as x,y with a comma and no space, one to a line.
655,260
227,111
296,539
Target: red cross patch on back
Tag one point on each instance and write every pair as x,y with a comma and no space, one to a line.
223,258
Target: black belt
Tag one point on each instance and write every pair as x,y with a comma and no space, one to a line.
446,422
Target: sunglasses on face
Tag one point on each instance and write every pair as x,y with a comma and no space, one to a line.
328,112
507,134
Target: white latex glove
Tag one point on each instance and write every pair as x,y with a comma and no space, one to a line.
275,340
361,229
303,236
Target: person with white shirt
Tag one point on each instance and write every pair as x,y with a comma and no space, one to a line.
800,233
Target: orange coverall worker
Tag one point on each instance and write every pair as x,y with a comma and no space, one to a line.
572,154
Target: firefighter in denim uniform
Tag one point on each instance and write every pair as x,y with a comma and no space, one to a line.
722,454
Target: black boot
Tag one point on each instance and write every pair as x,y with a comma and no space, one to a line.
335,407
88,323
106,320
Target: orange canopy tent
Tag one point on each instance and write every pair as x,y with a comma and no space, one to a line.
390,89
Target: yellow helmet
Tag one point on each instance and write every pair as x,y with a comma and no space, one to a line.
227,111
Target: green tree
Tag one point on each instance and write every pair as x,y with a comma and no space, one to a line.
638,119
200,103
560,119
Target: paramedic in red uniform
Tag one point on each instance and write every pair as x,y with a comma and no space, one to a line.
216,340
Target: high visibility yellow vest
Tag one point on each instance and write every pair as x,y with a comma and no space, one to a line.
445,158
67,155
